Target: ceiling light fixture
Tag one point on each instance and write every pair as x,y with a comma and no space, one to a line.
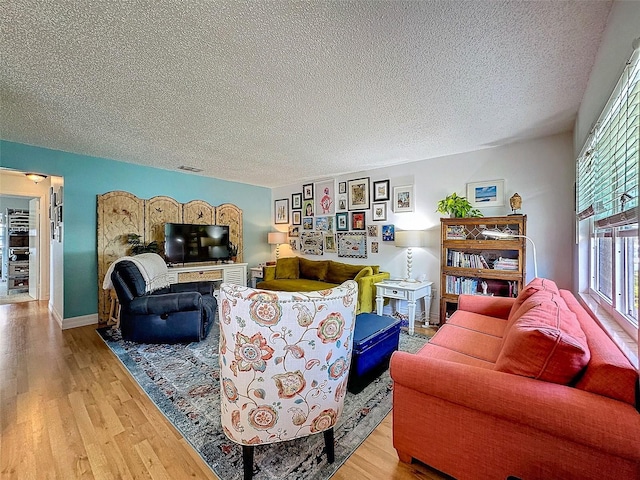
36,177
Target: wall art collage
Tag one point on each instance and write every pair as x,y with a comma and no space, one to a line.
326,217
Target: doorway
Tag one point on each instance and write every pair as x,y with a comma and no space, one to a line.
25,256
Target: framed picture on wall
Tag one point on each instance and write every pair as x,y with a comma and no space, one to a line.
352,245
403,200
325,198
388,233
486,194
307,191
358,221
380,190
342,187
296,217
379,212
358,194
342,222
296,201
281,208
330,243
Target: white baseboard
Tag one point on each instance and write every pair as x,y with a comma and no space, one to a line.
79,321
56,315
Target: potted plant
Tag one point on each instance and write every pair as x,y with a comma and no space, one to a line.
457,207
233,252
138,246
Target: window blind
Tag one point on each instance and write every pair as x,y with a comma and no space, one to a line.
607,168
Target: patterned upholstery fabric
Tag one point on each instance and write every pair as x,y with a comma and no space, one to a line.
284,361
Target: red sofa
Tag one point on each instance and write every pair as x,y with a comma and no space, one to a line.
529,387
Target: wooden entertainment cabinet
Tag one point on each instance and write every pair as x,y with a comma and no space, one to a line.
469,259
235,273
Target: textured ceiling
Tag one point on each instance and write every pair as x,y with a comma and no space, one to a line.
272,93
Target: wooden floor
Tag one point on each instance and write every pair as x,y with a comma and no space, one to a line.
69,409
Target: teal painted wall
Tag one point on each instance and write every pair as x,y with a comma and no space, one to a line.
86,177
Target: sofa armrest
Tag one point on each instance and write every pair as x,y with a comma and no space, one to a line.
167,303
558,410
498,307
268,272
367,291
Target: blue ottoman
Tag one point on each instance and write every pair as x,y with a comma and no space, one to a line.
374,340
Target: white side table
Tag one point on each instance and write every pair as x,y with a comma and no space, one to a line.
410,291
255,275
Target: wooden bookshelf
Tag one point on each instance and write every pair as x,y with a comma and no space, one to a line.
468,259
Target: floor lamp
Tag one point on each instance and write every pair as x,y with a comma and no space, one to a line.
276,238
409,239
499,234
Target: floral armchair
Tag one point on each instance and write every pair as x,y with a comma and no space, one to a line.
284,363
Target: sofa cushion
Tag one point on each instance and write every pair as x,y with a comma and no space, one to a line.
341,272
294,285
468,342
431,350
534,286
478,322
313,269
545,343
287,268
609,372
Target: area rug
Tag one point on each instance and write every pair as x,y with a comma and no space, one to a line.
183,381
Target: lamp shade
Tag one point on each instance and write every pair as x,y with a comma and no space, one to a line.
410,238
276,238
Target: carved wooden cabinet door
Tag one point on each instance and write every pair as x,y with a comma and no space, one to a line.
198,212
158,211
119,214
229,214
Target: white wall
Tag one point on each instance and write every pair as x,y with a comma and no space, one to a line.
541,171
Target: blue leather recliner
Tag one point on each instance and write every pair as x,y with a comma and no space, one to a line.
181,312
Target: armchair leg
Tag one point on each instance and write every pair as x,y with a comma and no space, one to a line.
247,461
329,445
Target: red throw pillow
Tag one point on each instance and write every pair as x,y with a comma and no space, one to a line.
545,343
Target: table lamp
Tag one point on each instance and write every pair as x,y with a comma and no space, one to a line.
277,238
409,239
499,234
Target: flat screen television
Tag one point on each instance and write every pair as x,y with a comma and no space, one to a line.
187,243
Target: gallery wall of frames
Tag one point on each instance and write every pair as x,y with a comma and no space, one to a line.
348,218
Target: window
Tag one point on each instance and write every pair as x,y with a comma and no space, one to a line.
607,199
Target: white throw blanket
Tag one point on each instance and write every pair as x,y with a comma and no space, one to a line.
152,268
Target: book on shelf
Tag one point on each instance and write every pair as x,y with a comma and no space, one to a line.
461,285
506,264
456,232
466,260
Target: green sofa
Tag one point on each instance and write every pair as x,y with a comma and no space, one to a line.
297,274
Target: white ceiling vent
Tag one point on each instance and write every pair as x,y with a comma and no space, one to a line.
189,169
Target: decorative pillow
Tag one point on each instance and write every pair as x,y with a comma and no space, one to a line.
545,343
313,270
288,268
341,272
535,285
363,273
